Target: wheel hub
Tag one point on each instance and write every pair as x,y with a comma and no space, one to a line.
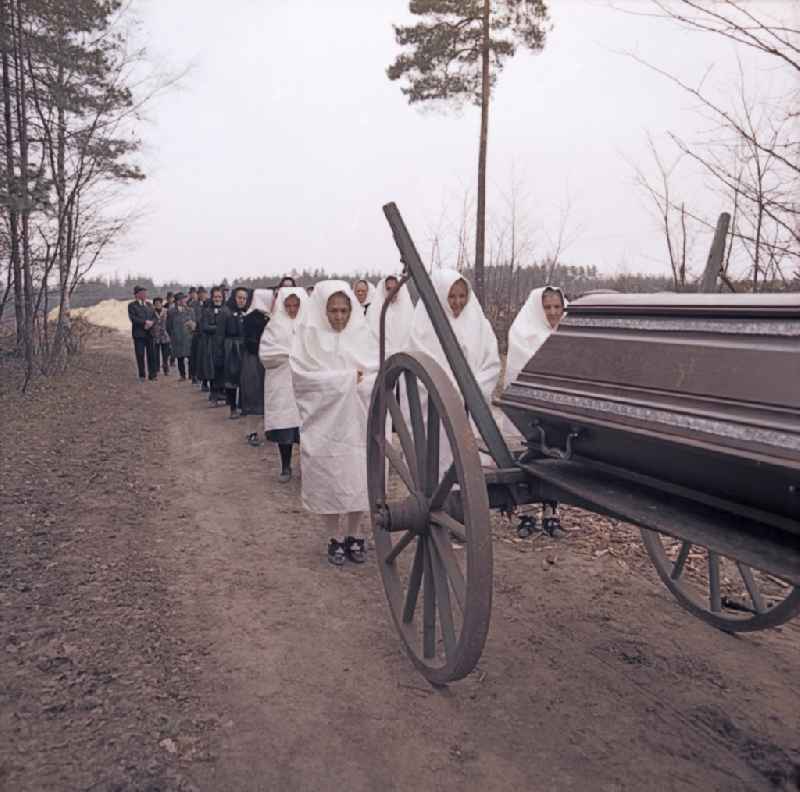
409,514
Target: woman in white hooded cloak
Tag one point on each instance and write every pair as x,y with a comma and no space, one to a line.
281,417
399,314
536,321
473,332
334,361
365,293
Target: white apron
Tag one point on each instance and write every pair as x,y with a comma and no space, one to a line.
280,403
332,404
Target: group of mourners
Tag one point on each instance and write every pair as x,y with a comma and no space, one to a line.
299,364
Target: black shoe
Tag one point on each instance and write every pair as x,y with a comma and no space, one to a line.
355,549
552,526
203,387
336,552
526,527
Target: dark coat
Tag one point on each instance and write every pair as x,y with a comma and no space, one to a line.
251,381
180,323
197,308
254,324
233,345
140,313
210,347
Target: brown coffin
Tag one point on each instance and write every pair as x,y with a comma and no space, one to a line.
700,393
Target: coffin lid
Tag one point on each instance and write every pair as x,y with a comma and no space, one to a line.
783,305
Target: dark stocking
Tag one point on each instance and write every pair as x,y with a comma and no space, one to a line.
286,456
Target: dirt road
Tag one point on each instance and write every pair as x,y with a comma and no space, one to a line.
170,622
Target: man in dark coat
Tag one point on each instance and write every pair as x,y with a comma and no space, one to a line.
233,345
196,303
211,347
143,317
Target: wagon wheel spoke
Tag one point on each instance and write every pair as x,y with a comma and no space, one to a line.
714,592
680,561
404,541
443,489
451,524
752,588
448,558
396,461
406,441
443,600
417,425
428,605
414,580
432,462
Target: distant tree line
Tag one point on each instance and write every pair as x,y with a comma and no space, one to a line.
506,287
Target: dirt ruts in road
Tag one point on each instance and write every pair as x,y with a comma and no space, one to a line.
273,670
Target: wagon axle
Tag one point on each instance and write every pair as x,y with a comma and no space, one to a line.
410,514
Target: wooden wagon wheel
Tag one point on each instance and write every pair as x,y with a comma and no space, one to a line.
440,596
703,595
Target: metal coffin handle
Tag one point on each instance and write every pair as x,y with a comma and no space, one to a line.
551,451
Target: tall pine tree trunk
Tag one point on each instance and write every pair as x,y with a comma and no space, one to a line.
480,225
63,326
8,44
24,193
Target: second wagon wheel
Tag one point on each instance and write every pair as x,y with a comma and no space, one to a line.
721,591
431,526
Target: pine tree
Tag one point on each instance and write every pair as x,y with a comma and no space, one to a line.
455,54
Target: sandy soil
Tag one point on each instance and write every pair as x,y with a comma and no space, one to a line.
170,622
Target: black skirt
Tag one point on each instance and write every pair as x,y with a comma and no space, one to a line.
284,436
251,384
204,366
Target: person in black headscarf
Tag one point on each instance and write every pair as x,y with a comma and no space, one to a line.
233,345
210,347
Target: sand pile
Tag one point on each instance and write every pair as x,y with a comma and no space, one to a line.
108,313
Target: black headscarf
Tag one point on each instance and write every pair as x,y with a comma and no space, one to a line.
232,298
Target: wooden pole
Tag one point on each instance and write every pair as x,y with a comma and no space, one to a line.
713,270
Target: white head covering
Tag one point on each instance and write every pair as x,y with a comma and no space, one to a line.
528,332
399,317
370,292
261,301
472,329
281,324
318,346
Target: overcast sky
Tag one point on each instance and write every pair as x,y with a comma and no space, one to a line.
286,138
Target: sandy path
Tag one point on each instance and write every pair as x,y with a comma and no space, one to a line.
168,621
592,679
